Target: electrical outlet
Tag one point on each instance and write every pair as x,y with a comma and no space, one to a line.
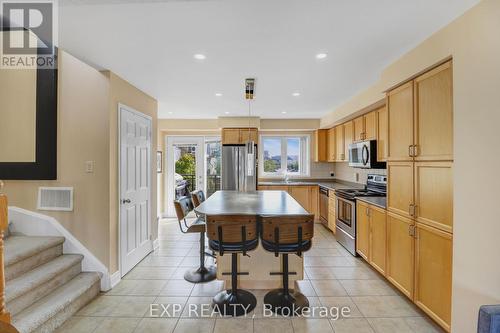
332,174
89,166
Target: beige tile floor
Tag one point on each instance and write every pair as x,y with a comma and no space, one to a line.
334,278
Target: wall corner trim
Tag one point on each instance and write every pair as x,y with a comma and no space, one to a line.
115,279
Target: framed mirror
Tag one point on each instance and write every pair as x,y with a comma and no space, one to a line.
28,124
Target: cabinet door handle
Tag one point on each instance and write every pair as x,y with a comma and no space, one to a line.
411,210
410,150
411,230
415,150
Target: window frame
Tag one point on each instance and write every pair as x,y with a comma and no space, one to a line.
304,158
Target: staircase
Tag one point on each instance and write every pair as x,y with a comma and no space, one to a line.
44,287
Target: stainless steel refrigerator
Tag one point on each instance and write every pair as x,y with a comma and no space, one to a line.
239,170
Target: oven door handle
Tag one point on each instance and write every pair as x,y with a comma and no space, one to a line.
365,155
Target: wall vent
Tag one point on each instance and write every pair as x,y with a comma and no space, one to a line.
55,198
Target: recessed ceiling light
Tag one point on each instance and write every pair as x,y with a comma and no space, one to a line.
321,55
218,94
227,112
170,112
199,56
296,94
283,112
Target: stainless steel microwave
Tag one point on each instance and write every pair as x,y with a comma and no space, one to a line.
364,155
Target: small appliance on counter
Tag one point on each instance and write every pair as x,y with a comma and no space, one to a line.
376,186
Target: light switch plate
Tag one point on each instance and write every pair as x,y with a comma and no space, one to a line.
89,166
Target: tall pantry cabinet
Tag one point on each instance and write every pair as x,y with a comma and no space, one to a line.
420,190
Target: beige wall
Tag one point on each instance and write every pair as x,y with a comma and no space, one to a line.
473,42
82,131
123,92
17,115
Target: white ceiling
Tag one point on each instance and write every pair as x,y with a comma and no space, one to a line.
151,44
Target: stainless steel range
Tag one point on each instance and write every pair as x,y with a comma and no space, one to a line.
376,186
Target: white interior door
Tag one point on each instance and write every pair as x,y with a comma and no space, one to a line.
177,146
135,187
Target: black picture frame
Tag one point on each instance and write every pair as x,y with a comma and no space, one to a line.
159,161
45,165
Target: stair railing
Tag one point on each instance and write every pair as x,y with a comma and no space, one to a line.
4,224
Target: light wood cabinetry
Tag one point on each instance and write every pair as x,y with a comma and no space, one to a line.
382,134
348,138
365,127
332,222
237,136
331,145
307,196
400,194
314,205
359,128
321,145
434,194
400,253
400,108
433,273
302,195
273,188
339,143
434,115
371,242
363,230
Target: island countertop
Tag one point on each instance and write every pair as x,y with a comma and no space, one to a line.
258,203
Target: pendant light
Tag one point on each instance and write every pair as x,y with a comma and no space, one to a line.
250,144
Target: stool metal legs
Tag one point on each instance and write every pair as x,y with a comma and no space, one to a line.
234,302
202,273
285,301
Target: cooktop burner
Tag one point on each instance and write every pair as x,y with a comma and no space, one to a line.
376,186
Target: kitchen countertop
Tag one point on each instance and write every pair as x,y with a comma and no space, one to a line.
376,201
330,184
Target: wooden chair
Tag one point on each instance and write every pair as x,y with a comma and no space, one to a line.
198,197
183,206
234,235
285,235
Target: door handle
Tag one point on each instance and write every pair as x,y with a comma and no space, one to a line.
125,201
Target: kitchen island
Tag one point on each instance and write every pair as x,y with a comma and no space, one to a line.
259,263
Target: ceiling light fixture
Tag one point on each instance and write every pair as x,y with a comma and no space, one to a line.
170,112
321,56
227,112
218,94
296,94
283,112
199,56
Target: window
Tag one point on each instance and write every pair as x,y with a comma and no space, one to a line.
284,154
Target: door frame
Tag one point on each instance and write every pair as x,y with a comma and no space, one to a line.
119,166
170,140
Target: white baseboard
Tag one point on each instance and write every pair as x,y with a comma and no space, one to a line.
115,279
34,224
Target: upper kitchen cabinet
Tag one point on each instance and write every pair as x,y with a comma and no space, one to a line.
236,136
382,134
365,127
321,145
400,111
331,145
348,137
339,143
434,117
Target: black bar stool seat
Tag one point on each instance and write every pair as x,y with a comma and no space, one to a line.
283,236
183,206
234,235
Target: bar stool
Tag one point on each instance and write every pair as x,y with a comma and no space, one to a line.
233,234
285,235
183,206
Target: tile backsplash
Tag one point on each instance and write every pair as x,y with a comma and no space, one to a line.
344,172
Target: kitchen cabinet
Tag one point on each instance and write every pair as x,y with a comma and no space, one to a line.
339,143
433,273
434,194
314,203
434,115
378,238
332,218
359,128
365,127
400,194
302,195
371,242
382,134
239,135
348,138
331,145
273,188
321,145
400,253
306,196
362,230
400,111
